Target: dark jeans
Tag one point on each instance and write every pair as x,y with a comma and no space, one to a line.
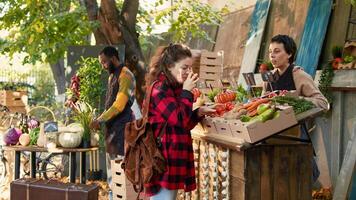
305,136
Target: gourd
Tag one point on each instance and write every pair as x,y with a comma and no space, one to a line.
25,139
70,140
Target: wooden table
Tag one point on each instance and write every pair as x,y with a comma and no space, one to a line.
72,159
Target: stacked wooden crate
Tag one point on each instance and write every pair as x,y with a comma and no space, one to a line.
16,101
121,187
196,53
211,68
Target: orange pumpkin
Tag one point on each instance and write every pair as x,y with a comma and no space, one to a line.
225,97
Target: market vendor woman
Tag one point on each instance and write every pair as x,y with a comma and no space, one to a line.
282,51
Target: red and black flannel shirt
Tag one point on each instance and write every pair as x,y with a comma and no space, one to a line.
173,105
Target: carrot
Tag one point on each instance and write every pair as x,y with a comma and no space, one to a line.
257,103
246,105
252,113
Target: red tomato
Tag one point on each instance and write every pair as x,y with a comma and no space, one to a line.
229,106
220,109
263,68
196,93
336,62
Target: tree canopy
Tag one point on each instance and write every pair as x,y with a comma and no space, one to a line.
43,29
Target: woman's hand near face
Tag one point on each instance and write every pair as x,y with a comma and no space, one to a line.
190,82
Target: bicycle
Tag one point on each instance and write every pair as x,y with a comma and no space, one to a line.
48,166
3,166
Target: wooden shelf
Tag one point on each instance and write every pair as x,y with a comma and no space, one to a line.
344,88
43,149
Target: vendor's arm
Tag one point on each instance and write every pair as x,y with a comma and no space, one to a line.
126,91
306,88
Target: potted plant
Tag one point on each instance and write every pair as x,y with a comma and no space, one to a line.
84,114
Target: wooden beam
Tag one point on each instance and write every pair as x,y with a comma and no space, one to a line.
348,165
336,132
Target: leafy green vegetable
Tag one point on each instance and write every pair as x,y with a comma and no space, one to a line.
213,93
326,78
34,133
299,104
241,94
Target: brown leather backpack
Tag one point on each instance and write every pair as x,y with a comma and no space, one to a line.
143,158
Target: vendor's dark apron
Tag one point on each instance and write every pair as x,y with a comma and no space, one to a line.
286,82
115,127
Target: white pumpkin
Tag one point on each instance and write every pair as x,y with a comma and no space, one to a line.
25,139
70,140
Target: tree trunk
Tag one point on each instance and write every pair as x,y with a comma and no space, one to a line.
118,28
59,76
58,70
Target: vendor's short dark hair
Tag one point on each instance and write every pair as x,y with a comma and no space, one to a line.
110,51
288,43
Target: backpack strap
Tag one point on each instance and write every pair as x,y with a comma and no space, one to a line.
138,188
159,137
146,103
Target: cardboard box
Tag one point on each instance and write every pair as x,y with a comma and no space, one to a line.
209,125
252,132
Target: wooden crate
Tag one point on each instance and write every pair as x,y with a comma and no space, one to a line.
13,98
196,54
121,187
351,65
17,109
250,132
272,171
211,68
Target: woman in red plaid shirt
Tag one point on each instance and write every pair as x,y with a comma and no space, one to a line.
171,103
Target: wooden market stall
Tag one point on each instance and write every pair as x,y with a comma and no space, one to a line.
278,167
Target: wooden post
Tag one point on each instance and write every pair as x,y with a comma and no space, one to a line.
348,166
336,132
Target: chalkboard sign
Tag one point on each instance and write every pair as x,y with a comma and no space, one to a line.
268,76
50,127
249,78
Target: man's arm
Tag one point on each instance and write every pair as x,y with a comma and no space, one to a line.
126,90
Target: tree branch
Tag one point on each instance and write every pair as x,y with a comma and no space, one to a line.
129,13
93,12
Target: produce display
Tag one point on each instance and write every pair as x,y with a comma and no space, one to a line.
246,119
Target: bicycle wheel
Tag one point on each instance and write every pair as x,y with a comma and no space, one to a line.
3,171
54,166
25,164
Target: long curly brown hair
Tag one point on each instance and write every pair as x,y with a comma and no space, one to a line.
165,58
